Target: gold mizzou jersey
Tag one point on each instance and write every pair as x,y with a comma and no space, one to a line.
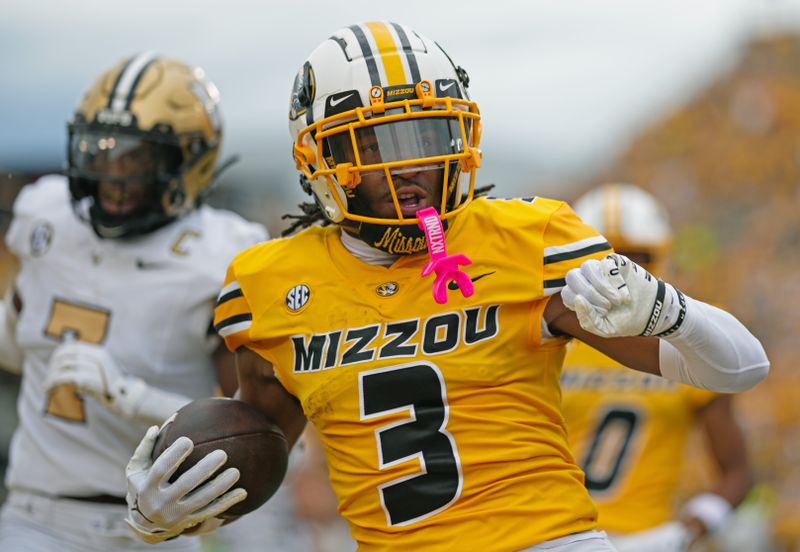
440,423
628,431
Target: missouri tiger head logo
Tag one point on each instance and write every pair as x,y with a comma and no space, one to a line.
387,289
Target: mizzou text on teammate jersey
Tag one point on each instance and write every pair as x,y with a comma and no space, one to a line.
628,431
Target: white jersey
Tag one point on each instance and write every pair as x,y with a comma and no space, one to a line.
147,300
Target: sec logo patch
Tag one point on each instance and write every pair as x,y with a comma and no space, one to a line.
297,297
41,237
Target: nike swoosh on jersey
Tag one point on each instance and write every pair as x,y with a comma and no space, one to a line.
141,264
444,87
452,286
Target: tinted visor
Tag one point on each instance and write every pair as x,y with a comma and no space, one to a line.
404,140
101,155
122,177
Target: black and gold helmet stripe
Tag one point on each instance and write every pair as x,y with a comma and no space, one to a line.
388,52
136,81
409,52
385,42
117,81
366,51
386,45
124,89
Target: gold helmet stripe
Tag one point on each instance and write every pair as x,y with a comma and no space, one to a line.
125,87
387,48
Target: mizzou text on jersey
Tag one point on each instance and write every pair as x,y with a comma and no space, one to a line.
441,424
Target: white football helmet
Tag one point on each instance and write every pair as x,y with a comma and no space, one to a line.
632,220
384,83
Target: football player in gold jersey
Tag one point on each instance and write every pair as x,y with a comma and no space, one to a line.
439,416
628,430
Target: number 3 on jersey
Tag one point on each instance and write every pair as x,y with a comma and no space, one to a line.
418,389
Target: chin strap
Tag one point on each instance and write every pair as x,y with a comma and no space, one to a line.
445,266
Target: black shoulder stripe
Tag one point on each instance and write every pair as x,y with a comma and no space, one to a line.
230,295
555,283
568,255
233,320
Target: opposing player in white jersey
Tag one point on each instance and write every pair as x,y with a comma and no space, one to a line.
629,430
120,264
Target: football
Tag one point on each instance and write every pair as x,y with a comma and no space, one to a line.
254,444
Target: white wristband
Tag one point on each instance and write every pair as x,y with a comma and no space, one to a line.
710,508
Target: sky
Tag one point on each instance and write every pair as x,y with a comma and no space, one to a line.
562,85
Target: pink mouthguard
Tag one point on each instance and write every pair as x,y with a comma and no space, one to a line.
445,266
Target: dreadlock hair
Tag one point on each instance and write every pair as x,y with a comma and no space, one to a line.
312,214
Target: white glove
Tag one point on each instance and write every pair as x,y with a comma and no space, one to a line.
159,510
672,536
92,371
616,297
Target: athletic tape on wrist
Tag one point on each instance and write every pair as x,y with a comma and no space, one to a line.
681,316
658,307
710,508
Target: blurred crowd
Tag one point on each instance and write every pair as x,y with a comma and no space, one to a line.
727,166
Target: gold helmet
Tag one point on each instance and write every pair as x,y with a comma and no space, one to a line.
143,145
379,98
632,220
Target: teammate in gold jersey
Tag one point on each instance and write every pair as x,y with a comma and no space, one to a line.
628,430
436,398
